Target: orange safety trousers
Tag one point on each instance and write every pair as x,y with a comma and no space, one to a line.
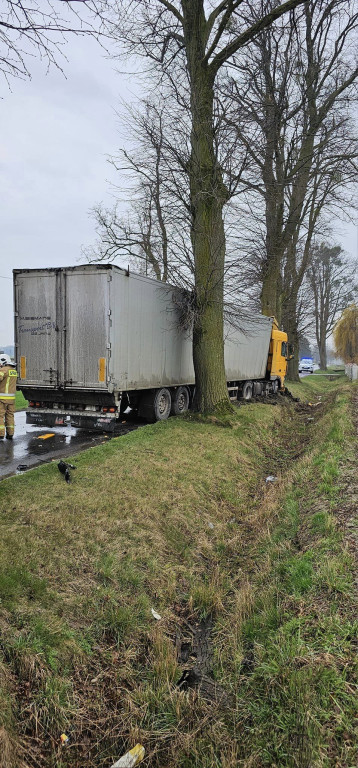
7,417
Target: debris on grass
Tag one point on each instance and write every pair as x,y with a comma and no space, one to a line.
64,468
131,758
155,615
271,479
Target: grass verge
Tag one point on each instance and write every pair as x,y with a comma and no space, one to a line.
20,402
178,517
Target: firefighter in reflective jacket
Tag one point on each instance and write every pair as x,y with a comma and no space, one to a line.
8,376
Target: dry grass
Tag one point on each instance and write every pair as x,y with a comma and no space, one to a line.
178,517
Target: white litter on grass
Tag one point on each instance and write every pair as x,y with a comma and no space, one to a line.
131,758
211,525
155,615
271,479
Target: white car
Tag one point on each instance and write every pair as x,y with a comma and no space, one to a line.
305,365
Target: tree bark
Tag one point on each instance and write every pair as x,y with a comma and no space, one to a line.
290,325
292,368
271,291
323,355
207,198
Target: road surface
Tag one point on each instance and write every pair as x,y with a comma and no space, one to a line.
33,445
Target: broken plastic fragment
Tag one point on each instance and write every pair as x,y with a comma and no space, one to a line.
211,525
64,738
156,615
131,758
271,479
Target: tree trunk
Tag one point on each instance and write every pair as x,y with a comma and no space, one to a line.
290,326
271,290
292,367
323,355
208,239
207,197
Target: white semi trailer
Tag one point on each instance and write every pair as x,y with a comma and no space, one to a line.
92,340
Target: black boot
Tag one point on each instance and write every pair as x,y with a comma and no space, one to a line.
9,437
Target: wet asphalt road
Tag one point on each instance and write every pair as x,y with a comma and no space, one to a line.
33,445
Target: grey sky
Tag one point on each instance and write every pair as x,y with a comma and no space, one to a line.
55,134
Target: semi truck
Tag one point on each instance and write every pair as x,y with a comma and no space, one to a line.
93,340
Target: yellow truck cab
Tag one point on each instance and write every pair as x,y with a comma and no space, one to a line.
278,355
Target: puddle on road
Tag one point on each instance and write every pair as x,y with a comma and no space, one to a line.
34,445
44,443
31,443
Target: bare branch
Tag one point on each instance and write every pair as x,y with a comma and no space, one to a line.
239,42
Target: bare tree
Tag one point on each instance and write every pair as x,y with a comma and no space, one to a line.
331,280
30,28
291,95
194,40
154,234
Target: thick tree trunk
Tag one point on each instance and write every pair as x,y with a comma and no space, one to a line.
290,326
292,368
208,337
207,197
271,291
323,355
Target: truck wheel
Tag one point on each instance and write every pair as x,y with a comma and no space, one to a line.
156,405
180,401
246,393
275,386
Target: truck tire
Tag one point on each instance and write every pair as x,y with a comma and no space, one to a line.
275,386
180,401
246,392
156,405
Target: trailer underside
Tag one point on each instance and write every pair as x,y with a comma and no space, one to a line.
101,411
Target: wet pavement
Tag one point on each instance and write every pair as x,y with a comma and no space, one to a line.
34,445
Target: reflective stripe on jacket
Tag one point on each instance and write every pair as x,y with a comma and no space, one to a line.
8,376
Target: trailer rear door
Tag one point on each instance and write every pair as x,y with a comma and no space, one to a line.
36,333
87,320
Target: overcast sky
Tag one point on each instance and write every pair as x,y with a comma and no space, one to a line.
55,134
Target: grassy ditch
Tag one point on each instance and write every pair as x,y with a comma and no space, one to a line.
178,517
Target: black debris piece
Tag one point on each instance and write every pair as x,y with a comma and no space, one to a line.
64,468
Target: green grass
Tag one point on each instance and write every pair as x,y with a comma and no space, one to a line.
20,402
177,517
310,386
